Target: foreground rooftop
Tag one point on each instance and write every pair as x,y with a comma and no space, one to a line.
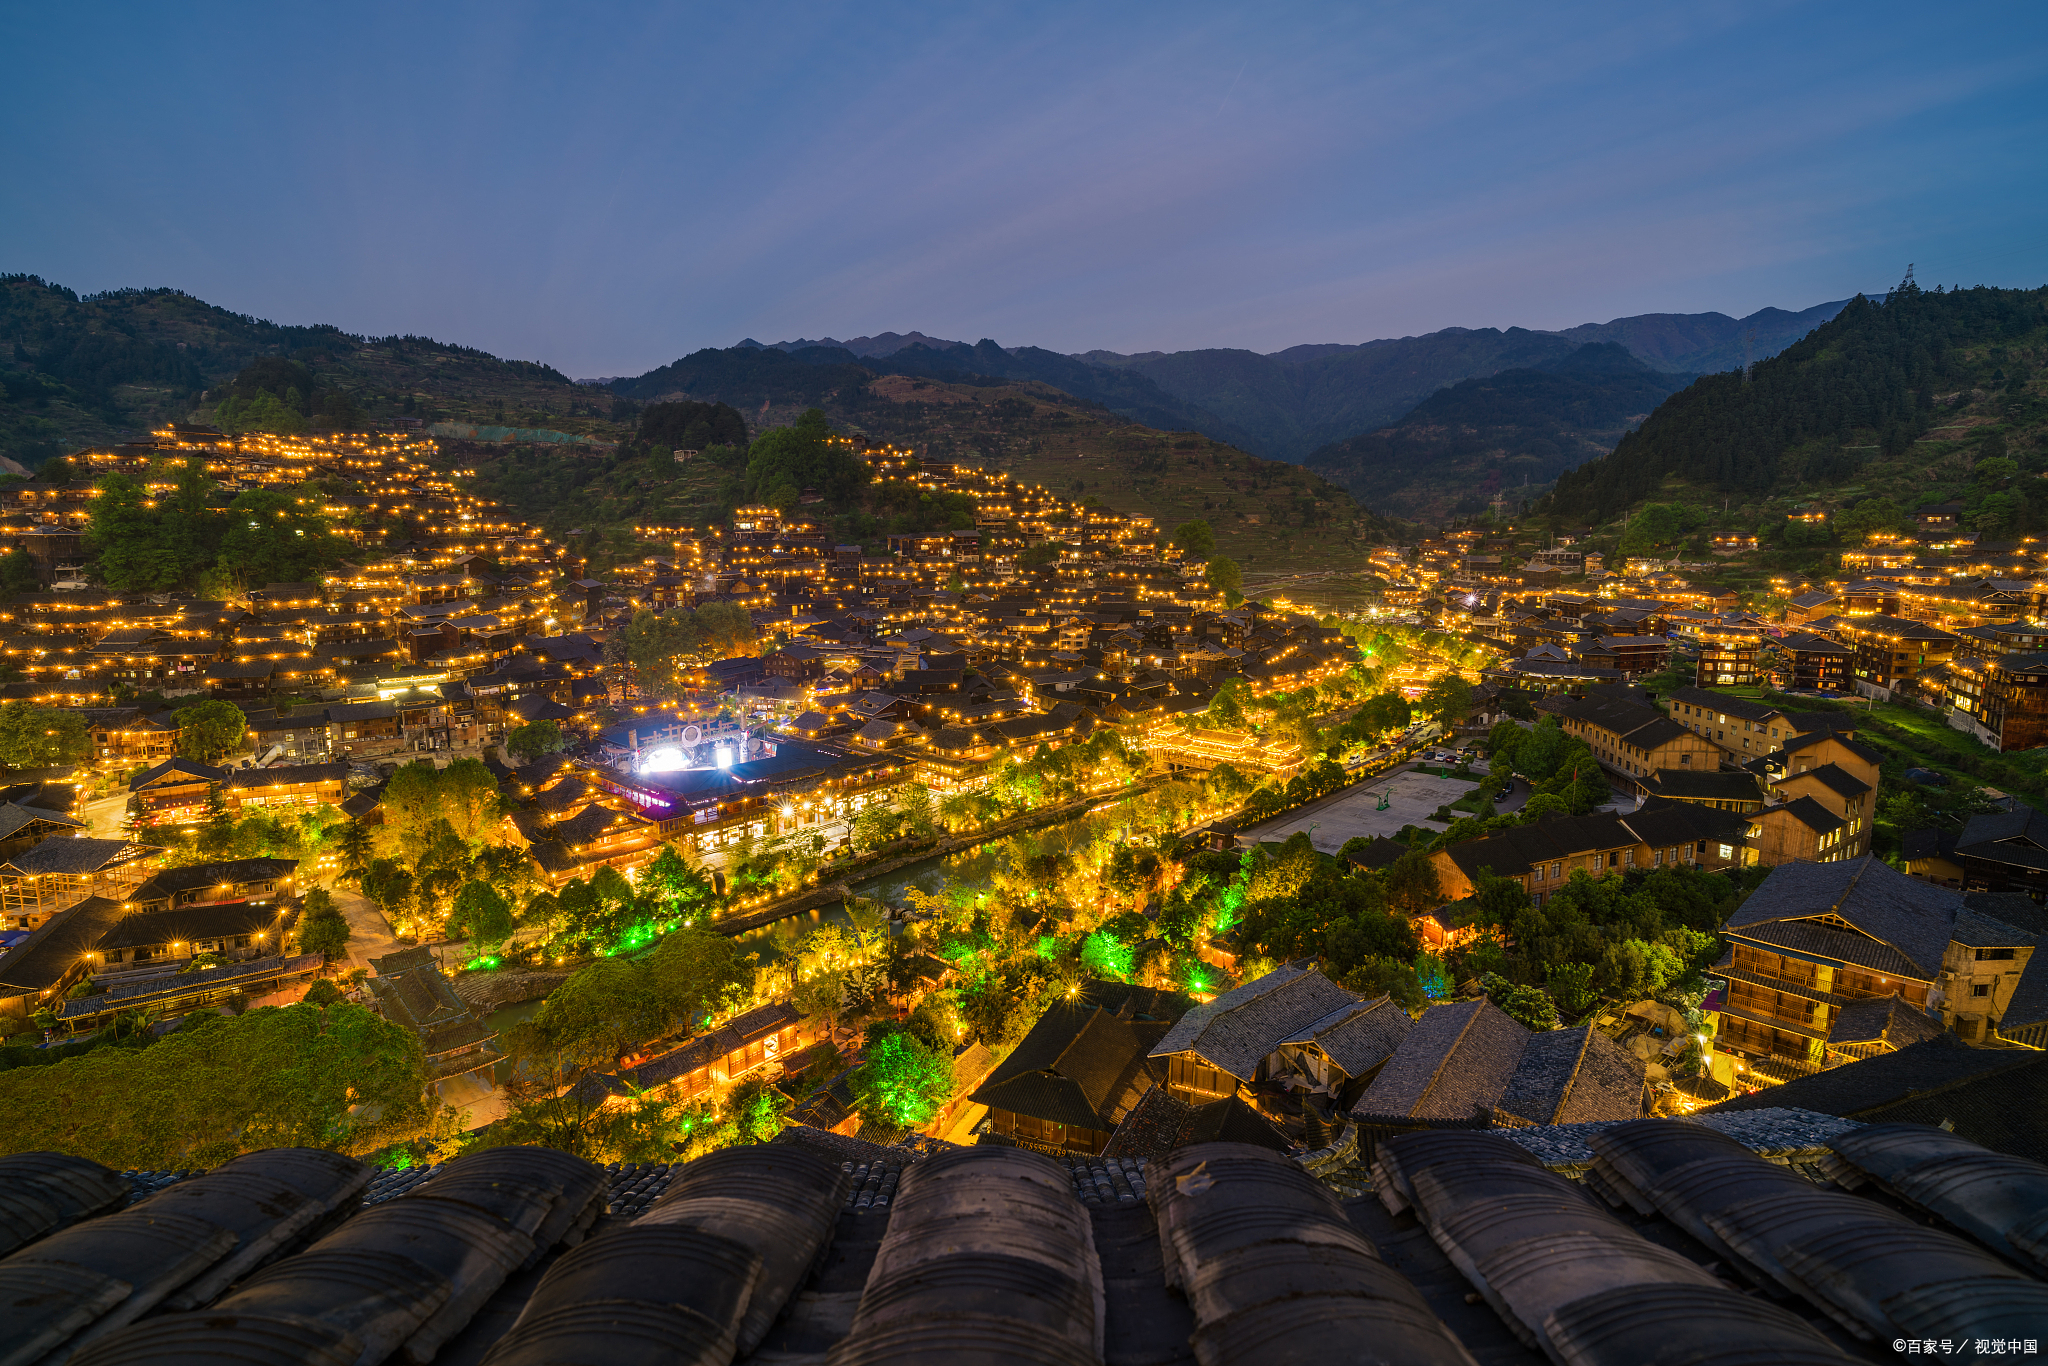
1770,1236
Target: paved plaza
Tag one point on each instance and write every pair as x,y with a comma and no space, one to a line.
1412,797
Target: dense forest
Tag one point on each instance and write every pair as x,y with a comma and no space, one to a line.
1506,435
1862,390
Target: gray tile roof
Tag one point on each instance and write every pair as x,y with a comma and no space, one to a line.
1358,1036
1883,1019
1239,1028
1573,1076
1913,917
2018,837
1452,1067
1080,1066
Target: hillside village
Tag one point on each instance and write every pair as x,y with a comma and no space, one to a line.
841,711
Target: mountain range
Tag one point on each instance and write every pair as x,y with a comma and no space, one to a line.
1507,435
1284,405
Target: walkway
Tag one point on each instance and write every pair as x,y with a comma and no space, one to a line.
372,936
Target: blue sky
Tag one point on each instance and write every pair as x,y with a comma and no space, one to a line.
609,186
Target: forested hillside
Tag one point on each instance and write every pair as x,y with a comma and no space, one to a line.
746,375
1869,395
1507,435
110,367
1268,516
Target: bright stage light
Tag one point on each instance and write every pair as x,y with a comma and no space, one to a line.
667,759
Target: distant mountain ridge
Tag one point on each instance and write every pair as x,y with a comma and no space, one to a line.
881,344
1295,401
749,375
1508,434
1286,404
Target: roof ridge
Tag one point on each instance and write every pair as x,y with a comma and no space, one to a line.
1444,1059
1578,1061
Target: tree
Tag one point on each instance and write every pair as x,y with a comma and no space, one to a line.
1447,700
42,737
1225,577
353,844
209,731
18,572
905,1081
1413,885
1529,1007
534,739
1196,539
1856,525
291,1076
1571,986
323,929
275,536
1040,555
469,799
482,916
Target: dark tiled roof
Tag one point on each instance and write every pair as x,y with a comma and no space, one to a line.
1240,1027
171,881
2018,837
1836,779
282,775
14,819
1993,1096
1453,1066
1720,703
1080,1066
1573,1076
175,771
1358,1037
1701,785
1883,1019
56,946
190,923
1911,916
74,856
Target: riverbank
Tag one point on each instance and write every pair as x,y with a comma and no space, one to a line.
841,886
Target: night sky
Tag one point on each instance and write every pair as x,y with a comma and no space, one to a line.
607,187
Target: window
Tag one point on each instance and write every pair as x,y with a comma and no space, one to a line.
1980,989
1727,851
1994,955
1557,870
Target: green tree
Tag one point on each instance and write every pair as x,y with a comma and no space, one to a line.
1040,555
1857,524
534,739
18,572
276,536
482,916
42,737
209,731
1529,1007
1225,577
905,1081
1413,885
294,1076
1447,700
1196,539
323,929
353,845
1571,986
